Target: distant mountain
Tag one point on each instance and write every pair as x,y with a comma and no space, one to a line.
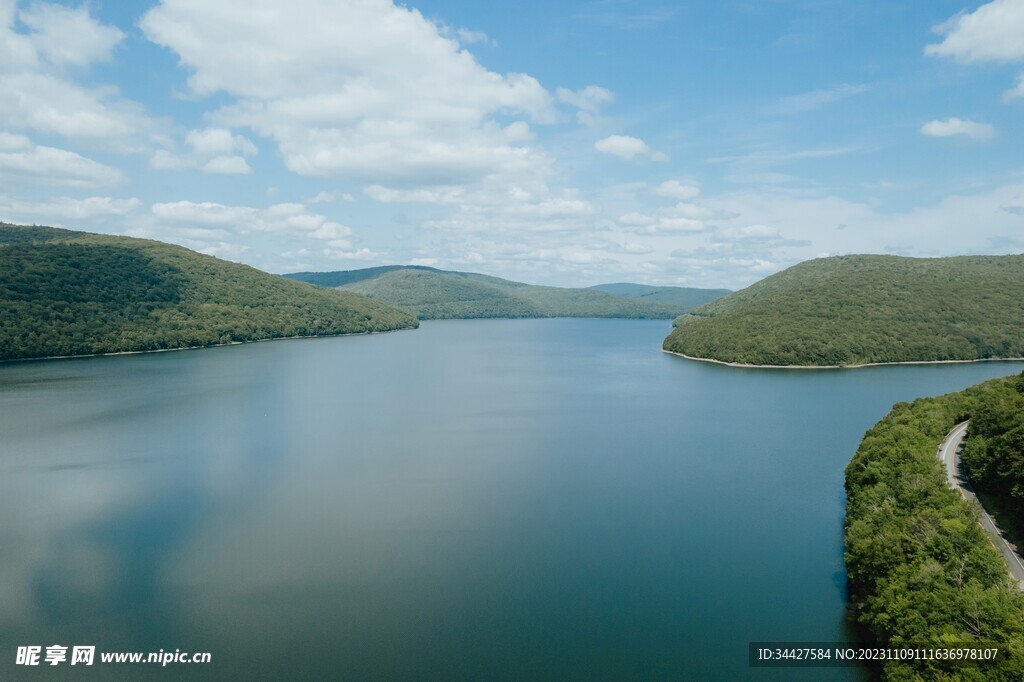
74,293
851,310
684,297
430,293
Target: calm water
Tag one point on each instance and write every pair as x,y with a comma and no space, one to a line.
476,500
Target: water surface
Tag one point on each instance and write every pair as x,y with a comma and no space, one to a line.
504,499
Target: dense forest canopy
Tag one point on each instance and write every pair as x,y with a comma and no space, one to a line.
994,454
851,310
920,567
430,293
75,293
685,297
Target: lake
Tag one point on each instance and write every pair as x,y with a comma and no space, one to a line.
493,499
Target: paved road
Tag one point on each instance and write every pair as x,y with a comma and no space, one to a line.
949,453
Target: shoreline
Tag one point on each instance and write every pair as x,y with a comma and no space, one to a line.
212,345
867,364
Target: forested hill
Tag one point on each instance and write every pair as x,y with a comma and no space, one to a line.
851,310
75,293
921,570
439,294
994,454
684,297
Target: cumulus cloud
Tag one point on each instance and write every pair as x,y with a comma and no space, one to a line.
629,148
37,92
673,189
68,36
955,126
227,165
369,92
990,33
683,218
219,141
260,236
24,163
373,94
213,150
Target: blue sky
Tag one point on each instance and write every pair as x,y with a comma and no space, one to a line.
569,143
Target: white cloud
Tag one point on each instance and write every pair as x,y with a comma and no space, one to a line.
588,101
1018,90
219,141
11,142
667,224
673,189
24,163
369,92
375,95
347,253
629,148
590,98
226,165
746,235
165,160
50,104
331,197
785,228
58,210
683,218
68,36
257,236
280,218
38,95
214,150
955,126
757,231
635,219
225,250
205,213
993,32
639,223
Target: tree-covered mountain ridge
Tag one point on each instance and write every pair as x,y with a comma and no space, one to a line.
865,309
685,297
430,293
66,293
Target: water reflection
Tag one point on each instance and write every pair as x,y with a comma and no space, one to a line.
473,499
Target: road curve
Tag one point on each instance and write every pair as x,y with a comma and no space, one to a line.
949,453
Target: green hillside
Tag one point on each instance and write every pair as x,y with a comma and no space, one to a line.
921,570
686,298
75,293
851,310
993,455
438,294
